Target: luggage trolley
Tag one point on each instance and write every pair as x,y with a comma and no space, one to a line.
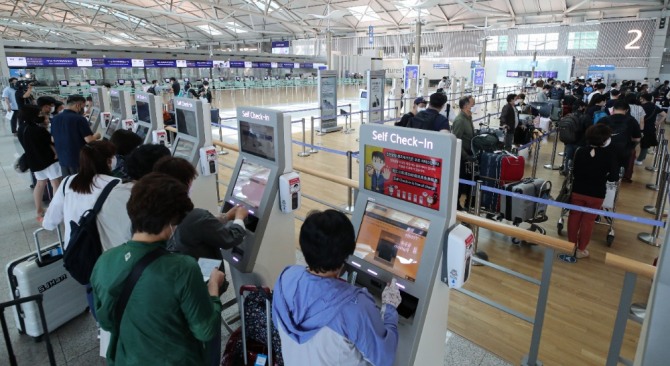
519,211
608,205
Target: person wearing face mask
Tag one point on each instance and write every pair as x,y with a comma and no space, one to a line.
463,129
418,106
509,119
625,134
71,131
205,92
594,166
79,192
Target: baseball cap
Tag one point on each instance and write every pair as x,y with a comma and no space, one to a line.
420,100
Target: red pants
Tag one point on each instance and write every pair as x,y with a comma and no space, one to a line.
580,224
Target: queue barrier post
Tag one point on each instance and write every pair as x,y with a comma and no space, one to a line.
536,157
652,238
312,150
304,152
475,228
551,165
657,155
662,166
350,166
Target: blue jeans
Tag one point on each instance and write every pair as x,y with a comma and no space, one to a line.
569,155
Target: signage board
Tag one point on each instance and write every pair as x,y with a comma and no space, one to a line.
375,84
411,73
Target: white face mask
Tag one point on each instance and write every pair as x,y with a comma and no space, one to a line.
112,165
607,142
420,109
517,102
378,165
53,109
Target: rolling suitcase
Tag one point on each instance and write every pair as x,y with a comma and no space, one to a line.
42,272
497,169
520,210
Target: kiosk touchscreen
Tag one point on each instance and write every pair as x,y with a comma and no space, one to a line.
194,133
265,156
100,97
120,109
149,115
402,214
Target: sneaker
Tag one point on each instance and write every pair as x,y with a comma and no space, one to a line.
582,254
638,162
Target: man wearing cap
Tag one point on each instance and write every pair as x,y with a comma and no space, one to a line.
71,131
418,106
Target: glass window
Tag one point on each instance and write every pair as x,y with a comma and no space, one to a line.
582,40
497,44
532,42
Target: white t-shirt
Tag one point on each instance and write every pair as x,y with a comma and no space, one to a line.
113,220
588,100
71,205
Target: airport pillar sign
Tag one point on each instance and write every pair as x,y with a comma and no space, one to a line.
327,86
376,81
371,35
411,73
479,76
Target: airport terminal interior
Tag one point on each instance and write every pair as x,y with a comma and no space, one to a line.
448,133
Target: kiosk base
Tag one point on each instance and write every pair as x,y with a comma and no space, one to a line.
328,129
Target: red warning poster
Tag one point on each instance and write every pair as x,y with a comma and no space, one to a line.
402,175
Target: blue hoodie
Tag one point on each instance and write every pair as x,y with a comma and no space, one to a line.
326,321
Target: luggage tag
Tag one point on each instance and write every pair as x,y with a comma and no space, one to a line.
261,360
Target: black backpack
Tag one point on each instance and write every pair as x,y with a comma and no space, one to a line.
423,121
569,129
621,140
84,247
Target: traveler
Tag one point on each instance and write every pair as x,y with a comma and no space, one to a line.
39,154
652,113
543,94
443,83
9,96
556,95
596,108
582,122
599,89
125,142
594,165
323,320
613,97
79,192
171,311
113,218
431,118
509,119
636,111
463,129
205,92
71,131
613,86
176,88
625,133
418,106
153,89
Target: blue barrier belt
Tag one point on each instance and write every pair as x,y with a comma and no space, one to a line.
614,215
525,146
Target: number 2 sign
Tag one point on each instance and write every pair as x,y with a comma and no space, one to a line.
631,45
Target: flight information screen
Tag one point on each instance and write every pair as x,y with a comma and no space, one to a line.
392,240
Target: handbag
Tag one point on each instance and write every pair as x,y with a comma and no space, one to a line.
21,164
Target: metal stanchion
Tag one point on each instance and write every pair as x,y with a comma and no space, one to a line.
350,191
653,209
652,238
658,152
312,150
662,164
536,157
475,228
362,116
551,165
304,151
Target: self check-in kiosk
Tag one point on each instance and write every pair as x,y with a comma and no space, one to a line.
100,97
403,213
193,142
264,162
149,115
120,110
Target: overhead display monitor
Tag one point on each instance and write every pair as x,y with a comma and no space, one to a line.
258,140
250,184
116,104
167,80
221,79
121,81
186,122
183,149
392,240
143,112
187,79
143,81
91,82
64,83
406,176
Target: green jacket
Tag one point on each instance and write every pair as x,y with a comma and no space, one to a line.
463,129
169,315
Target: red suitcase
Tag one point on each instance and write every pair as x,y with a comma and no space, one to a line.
511,169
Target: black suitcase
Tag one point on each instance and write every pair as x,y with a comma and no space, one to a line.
17,303
520,210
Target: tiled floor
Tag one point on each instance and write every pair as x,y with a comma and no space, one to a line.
75,343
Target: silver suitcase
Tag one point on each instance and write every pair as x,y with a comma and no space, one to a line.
42,272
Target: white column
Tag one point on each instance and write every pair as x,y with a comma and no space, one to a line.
4,69
657,50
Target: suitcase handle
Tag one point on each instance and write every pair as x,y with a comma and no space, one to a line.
37,241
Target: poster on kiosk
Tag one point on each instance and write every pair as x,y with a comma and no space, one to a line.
263,164
403,212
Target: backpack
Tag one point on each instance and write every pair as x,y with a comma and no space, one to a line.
598,115
152,90
568,129
620,137
423,121
84,247
588,89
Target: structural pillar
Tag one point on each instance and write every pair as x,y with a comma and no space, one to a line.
329,50
4,69
417,42
658,45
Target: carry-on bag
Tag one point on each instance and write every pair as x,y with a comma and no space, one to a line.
42,272
520,210
254,340
37,299
496,170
